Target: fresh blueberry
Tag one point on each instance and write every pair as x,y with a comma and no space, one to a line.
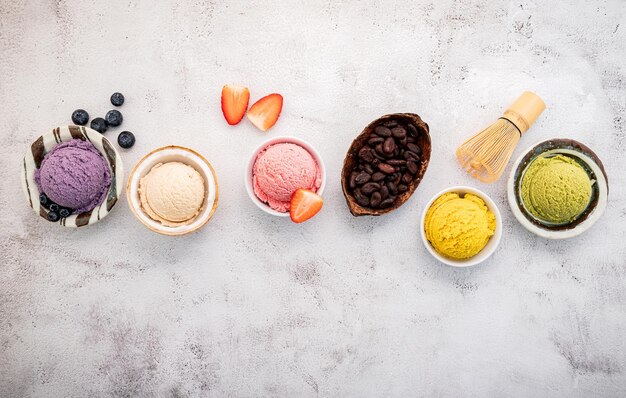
43,199
114,118
53,216
99,124
117,99
80,117
64,212
126,139
54,207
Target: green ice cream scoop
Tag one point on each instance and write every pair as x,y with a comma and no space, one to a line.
556,189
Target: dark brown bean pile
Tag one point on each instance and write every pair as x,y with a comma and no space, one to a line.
386,165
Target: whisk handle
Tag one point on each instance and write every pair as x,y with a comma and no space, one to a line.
524,111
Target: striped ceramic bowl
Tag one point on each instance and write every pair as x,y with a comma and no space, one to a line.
35,154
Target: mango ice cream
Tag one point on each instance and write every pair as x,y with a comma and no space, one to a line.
459,227
556,189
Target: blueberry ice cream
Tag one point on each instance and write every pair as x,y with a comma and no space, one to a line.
75,175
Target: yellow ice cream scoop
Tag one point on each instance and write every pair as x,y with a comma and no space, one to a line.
556,189
459,226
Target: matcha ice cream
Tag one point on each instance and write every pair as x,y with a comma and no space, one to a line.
556,189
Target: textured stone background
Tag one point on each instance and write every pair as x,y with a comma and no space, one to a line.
256,306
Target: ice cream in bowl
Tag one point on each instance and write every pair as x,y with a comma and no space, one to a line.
558,188
72,175
173,190
461,226
278,168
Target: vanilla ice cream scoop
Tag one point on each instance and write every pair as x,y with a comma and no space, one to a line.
172,193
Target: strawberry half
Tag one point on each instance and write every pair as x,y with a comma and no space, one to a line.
234,102
264,113
304,205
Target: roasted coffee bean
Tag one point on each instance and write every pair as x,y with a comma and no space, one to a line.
362,178
387,164
391,177
360,198
397,179
408,155
398,132
391,123
375,140
386,168
377,156
378,176
414,148
389,145
397,162
384,192
393,188
366,154
375,199
382,131
352,180
386,203
370,187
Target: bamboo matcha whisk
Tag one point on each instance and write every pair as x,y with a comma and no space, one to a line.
485,155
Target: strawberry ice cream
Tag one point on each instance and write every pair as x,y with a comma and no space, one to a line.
279,170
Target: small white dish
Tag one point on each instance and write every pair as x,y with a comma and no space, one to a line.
593,165
249,168
184,155
491,246
43,144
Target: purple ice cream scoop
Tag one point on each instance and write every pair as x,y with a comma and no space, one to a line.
74,174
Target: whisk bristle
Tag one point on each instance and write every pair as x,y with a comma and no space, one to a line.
485,155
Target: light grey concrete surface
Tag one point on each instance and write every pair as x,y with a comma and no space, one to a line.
257,306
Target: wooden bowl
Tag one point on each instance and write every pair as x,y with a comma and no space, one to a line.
351,161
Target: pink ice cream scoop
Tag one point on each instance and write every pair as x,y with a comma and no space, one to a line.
280,170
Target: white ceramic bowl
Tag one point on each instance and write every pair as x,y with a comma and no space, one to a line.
47,141
487,250
248,175
593,165
184,155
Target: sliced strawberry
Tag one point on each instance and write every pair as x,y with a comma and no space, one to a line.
304,205
264,113
234,102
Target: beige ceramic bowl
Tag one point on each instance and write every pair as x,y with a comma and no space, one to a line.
184,155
